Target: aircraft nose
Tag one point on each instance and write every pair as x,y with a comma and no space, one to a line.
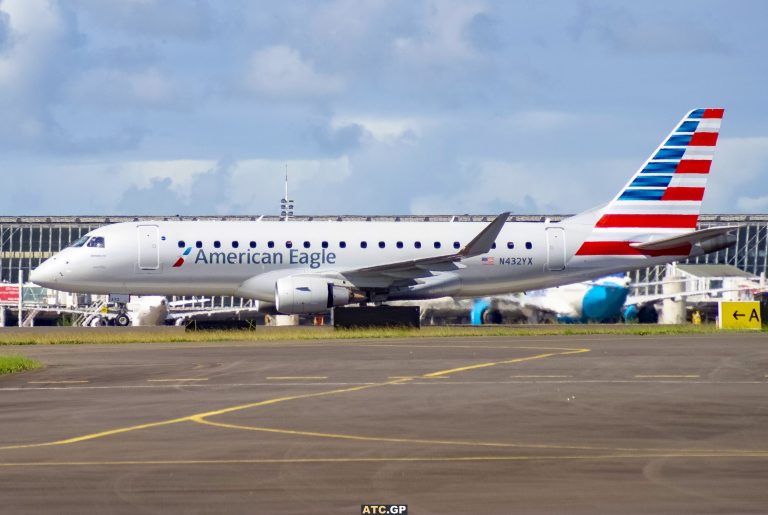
45,274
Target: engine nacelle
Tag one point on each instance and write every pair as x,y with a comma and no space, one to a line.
297,294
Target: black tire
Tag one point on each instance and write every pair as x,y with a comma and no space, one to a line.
122,319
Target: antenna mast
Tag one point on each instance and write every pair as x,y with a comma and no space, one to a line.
286,204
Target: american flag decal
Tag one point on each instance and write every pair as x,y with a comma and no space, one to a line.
487,261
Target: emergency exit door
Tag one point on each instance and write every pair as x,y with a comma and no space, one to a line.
149,247
555,248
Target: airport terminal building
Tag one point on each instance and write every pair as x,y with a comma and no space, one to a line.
26,241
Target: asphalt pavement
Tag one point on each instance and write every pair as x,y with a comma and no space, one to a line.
582,424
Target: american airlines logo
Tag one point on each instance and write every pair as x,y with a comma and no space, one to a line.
180,261
292,257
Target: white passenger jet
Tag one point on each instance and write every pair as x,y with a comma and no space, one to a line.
311,266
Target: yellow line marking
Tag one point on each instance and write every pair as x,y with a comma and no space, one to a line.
257,461
475,443
691,376
179,379
506,362
278,378
537,377
56,382
198,417
410,377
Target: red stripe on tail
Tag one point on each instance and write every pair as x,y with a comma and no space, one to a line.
666,221
703,139
694,166
682,193
713,113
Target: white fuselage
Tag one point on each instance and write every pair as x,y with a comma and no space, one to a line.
222,256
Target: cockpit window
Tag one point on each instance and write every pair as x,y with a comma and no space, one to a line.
80,242
96,241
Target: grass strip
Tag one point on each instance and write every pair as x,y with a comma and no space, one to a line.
12,364
271,334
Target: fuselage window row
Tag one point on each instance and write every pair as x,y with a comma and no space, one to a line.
342,244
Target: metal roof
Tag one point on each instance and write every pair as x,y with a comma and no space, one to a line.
714,271
100,219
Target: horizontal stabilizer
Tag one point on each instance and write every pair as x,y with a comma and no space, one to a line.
690,238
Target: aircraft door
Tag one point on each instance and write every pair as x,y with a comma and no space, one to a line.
149,247
555,248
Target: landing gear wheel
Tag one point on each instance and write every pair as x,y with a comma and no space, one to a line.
122,319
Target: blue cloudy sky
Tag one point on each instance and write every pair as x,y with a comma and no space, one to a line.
401,106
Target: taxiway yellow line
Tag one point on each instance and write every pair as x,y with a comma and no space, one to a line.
538,377
181,379
290,378
413,459
669,376
506,362
56,382
199,417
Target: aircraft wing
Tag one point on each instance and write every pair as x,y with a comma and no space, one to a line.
691,238
480,244
643,299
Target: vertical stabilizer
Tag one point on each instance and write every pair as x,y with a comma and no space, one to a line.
664,196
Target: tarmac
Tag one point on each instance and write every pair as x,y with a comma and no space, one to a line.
580,424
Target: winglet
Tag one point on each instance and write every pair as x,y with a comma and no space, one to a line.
482,243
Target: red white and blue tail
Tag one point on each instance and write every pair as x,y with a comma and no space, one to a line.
664,196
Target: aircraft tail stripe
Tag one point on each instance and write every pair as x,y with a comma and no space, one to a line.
713,113
674,193
648,220
642,194
623,248
694,166
703,139
660,167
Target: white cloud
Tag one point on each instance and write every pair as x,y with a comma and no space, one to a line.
544,120
737,181
148,87
442,39
280,71
37,30
385,129
528,187
752,204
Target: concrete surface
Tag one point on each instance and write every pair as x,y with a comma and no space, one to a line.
600,424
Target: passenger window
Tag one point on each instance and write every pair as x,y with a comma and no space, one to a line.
456,245
437,244
217,244
235,244
80,242
182,244
510,245
417,244
382,244
363,244
528,245
199,244
399,244
288,244
271,244
253,244
306,244
324,244
343,244
96,241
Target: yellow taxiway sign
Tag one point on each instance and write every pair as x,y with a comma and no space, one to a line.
739,315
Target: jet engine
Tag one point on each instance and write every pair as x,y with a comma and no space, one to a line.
297,294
